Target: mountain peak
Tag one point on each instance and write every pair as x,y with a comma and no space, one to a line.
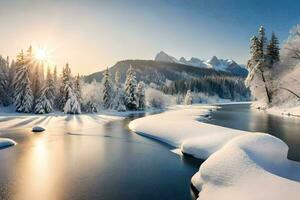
164,57
227,65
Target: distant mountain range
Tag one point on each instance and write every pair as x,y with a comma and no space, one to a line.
226,65
167,68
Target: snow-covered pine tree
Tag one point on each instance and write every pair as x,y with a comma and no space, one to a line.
72,105
188,100
77,88
4,82
45,102
50,87
130,90
117,79
69,96
42,105
119,97
107,90
63,94
141,97
259,78
255,50
22,84
262,41
11,78
273,50
119,100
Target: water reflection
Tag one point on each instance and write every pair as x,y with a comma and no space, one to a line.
88,157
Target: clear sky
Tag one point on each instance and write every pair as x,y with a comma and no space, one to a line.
94,34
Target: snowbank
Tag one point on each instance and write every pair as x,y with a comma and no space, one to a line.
239,165
5,142
250,166
180,128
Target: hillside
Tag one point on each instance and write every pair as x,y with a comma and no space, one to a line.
157,72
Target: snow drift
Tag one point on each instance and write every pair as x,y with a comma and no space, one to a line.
239,165
181,129
250,166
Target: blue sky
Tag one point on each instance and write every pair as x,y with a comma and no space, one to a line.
94,34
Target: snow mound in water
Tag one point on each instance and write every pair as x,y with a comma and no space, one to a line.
5,142
181,129
38,129
250,166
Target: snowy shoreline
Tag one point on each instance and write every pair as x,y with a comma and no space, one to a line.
228,154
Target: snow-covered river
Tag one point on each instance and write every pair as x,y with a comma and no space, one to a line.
93,157
107,162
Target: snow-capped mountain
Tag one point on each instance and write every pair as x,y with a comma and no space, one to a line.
226,65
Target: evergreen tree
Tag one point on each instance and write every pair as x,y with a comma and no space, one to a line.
262,42
57,83
45,102
119,97
23,93
119,104
130,90
4,82
188,100
255,50
11,78
141,96
117,78
68,101
63,92
77,88
107,90
273,50
72,105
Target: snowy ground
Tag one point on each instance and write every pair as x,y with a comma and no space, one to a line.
239,165
283,110
180,128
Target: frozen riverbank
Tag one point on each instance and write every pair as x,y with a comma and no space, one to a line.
231,155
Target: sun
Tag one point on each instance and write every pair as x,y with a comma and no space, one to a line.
41,54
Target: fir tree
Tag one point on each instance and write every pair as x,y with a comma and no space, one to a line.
130,90
77,88
107,90
119,97
262,42
188,100
255,50
23,93
43,104
4,82
72,105
63,92
141,95
117,78
11,78
273,50
45,101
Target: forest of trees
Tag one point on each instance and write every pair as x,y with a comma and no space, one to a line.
225,87
24,85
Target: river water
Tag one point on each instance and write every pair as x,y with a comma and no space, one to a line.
75,160
243,118
107,162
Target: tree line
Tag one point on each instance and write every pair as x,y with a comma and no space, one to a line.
24,85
